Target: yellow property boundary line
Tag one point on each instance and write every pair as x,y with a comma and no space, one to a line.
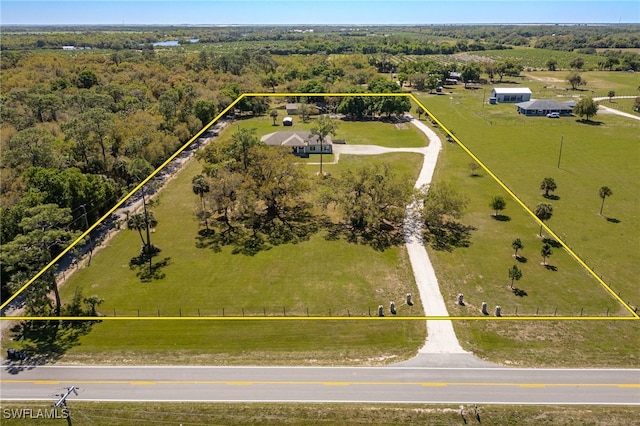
280,95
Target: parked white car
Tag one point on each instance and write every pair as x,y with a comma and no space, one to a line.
553,115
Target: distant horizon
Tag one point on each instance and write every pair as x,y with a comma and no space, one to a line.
451,24
316,12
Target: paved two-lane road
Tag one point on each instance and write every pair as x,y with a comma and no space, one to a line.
327,384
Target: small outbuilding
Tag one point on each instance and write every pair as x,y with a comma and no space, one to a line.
287,121
511,94
292,109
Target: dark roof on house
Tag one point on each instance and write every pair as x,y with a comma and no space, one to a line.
546,104
300,138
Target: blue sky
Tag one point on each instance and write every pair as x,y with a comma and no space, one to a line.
317,12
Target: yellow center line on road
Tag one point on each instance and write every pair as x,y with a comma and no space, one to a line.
312,383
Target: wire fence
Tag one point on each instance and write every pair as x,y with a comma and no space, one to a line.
466,310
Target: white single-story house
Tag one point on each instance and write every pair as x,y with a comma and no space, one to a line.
68,47
544,106
511,94
302,143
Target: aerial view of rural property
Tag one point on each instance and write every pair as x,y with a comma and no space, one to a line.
305,212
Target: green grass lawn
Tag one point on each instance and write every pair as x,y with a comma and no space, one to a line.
312,278
238,413
599,83
353,132
521,151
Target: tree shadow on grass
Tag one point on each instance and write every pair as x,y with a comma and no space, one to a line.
260,233
147,269
553,243
519,292
501,217
613,220
380,238
550,267
521,259
448,236
551,197
45,342
589,122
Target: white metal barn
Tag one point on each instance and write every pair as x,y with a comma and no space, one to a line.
511,94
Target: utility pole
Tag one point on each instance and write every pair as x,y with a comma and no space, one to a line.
86,226
146,225
62,402
560,154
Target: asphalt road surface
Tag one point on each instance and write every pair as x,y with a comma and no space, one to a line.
325,384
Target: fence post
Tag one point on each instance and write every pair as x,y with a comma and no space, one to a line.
243,312
284,311
180,311
138,312
581,310
307,311
158,312
607,311
555,312
329,312
223,311
369,310
264,310
198,311
348,313
114,312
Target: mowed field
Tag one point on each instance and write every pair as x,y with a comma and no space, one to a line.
311,279
521,151
288,280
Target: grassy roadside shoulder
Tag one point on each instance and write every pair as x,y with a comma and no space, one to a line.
232,414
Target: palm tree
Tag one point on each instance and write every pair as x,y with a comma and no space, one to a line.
543,211
548,184
419,111
274,114
200,186
517,245
545,252
140,222
604,192
515,274
322,128
136,221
